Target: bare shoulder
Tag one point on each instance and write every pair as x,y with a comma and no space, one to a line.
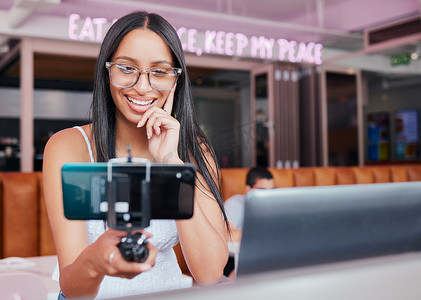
68,145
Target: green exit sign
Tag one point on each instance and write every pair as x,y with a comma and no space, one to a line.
400,59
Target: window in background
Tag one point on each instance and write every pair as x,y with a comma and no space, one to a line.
222,103
397,95
407,134
378,140
342,119
262,119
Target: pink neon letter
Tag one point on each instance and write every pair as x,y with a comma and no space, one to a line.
73,26
229,43
98,22
266,45
87,30
254,46
283,48
309,52
242,42
301,53
318,54
180,32
220,42
191,40
209,36
291,51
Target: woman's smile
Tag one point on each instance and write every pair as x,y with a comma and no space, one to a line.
140,101
140,104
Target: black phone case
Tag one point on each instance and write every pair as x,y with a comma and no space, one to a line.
85,189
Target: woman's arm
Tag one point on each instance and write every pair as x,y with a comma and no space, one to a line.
82,266
202,237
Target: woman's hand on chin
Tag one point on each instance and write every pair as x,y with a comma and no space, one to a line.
162,131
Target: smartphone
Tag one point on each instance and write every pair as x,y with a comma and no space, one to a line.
85,190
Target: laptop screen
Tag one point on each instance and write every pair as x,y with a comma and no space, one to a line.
295,227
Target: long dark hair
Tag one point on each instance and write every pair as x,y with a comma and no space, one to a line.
192,141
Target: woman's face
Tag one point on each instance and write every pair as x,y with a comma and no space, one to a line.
145,49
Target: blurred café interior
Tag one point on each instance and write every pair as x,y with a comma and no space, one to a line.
308,86
296,83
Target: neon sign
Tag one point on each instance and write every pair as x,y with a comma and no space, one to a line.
92,28
214,42
237,44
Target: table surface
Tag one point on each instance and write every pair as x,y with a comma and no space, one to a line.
387,278
42,266
390,277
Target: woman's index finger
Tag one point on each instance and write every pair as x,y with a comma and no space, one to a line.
170,101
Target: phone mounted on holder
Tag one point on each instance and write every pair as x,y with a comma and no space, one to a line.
128,193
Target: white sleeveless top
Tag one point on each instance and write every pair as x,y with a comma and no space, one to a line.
164,275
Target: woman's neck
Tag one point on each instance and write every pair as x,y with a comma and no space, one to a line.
129,134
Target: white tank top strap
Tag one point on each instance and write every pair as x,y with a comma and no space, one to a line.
87,142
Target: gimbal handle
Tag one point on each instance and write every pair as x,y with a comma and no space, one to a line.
112,194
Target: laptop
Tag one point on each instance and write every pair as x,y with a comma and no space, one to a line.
302,226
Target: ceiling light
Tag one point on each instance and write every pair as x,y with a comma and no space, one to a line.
416,54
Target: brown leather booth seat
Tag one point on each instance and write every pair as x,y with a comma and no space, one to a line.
233,181
25,229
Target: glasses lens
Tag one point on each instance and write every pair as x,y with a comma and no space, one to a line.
123,75
162,78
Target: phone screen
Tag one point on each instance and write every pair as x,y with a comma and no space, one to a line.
85,191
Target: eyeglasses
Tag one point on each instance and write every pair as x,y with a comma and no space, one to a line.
126,75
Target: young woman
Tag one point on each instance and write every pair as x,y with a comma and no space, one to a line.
141,97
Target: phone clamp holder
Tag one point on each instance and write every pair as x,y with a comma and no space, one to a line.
133,247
